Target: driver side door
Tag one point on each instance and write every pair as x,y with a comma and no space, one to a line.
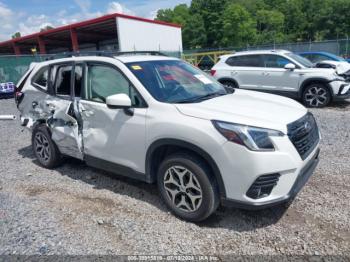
114,139
277,78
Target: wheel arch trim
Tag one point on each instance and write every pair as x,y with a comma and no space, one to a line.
308,81
222,79
189,146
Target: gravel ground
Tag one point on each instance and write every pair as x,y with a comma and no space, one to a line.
78,210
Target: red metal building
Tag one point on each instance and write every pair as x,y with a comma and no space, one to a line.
110,32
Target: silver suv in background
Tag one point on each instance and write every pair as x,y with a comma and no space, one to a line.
284,73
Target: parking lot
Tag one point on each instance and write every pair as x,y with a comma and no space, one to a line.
79,210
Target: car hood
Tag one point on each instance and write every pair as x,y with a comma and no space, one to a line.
248,108
343,68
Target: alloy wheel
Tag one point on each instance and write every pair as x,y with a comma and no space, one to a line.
42,147
316,96
183,188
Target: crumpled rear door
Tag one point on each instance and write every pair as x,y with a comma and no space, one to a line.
66,127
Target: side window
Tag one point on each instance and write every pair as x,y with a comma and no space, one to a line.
41,79
246,61
78,81
275,61
310,57
320,58
63,80
104,81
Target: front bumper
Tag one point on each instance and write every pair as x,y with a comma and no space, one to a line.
341,90
240,168
342,96
301,180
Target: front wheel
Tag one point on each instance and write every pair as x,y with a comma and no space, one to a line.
316,95
187,188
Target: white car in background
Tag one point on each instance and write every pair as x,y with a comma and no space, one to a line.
161,120
284,73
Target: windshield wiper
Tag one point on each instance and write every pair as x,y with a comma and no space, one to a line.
200,98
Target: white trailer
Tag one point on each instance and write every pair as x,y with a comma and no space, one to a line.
143,35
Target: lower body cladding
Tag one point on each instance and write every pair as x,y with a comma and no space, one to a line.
257,180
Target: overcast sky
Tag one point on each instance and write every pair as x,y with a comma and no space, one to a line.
28,16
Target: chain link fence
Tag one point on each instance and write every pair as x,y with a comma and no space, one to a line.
13,67
339,47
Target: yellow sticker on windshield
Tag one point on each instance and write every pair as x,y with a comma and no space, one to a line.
137,67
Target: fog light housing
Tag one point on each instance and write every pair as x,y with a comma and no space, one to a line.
263,186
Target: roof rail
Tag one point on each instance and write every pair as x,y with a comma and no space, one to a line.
103,53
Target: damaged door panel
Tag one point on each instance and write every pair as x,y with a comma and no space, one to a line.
66,128
55,106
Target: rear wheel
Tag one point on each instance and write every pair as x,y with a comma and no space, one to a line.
316,95
187,188
44,148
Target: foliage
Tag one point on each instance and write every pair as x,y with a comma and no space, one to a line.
46,28
239,26
16,35
222,23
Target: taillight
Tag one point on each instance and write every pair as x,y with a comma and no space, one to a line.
212,72
18,97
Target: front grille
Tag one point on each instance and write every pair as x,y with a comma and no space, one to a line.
304,135
262,186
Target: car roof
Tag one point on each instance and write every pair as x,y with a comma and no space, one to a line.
257,52
122,58
316,53
335,57
143,58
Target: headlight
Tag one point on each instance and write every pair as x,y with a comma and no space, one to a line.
254,138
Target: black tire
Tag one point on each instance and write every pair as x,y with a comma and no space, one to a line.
316,95
202,176
45,150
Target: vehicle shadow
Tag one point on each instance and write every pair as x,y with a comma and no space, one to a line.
340,104
229,218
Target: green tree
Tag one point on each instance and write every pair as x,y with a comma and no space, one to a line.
211,12
46,28
270,26
294,20
16,35
165,15
239,26
193,30
194,33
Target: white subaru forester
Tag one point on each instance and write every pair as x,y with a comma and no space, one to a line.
159,119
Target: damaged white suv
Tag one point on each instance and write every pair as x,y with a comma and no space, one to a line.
159,119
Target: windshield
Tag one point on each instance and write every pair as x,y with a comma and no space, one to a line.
301,60
175,81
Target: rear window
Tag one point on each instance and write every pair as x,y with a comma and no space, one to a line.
246,61
41,79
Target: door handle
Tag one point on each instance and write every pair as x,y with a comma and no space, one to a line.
34,104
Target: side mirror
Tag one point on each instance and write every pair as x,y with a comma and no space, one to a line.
118,101
290,67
